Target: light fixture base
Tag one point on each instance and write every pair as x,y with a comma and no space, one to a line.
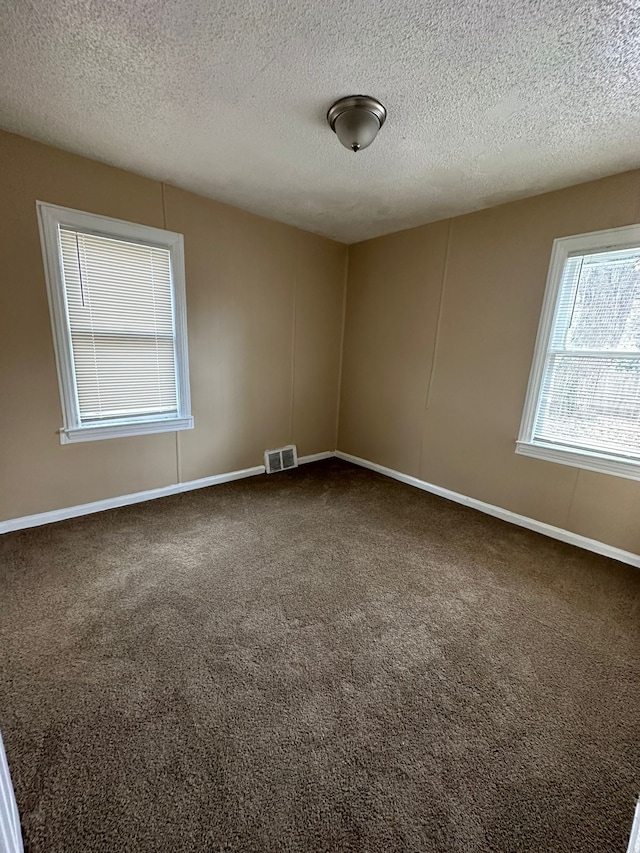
356,102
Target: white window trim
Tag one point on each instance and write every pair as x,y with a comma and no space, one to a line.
596,241
50,216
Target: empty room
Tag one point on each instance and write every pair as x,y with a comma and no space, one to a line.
320,426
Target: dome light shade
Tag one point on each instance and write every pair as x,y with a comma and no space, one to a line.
356,120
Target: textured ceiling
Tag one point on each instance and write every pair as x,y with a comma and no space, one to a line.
489,100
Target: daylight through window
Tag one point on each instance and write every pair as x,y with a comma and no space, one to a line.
117,300
583,405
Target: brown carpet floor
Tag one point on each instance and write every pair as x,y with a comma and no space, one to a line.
322,660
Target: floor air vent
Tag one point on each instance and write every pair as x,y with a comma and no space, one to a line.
281,459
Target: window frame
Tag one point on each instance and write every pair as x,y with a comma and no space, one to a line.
50,217
563,247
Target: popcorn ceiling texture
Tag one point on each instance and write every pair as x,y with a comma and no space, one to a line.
489,100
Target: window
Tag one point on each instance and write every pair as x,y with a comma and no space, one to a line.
583,402
117,301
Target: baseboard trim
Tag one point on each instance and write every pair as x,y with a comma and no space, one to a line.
559,533
316,457
124,500
498,512
49,517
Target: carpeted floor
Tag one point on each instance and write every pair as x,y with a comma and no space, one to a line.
322,660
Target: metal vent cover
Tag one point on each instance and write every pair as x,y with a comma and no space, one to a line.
281,459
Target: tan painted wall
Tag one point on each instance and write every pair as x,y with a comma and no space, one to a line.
264,304
440,329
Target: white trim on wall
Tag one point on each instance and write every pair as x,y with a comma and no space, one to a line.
123,500
50,218
50,516
634,841
316,457
564,248
498,512
630,469
10,834
489,509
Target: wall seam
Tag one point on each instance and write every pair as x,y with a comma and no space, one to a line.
436,339
294,332
573,494
345,285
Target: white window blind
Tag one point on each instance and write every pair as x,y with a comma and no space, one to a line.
118,312
586,395
120,309
590,395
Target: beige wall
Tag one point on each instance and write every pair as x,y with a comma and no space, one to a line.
440,329
264,303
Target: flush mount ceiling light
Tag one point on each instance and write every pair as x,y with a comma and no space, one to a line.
356,120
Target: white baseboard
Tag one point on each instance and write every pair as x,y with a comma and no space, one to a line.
139,497
176,488
499,512
123,500
316,457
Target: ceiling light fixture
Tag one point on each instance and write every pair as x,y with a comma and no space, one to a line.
356,120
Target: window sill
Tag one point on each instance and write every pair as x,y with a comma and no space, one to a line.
600,462
122,430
